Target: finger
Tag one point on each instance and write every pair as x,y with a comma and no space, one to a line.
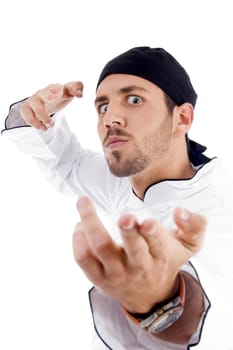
40,110
50,93
134,244
84,256
191,228
73,89
102,245
56,96
156,236
30,118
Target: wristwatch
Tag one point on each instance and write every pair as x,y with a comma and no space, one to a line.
164,315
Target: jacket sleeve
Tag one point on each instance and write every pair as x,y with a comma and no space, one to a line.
64,163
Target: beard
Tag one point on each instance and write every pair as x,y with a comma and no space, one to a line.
122,167
154,147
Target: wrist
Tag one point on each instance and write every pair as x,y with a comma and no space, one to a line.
147,305
164,313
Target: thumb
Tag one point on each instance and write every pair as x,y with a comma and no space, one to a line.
191,228
73,89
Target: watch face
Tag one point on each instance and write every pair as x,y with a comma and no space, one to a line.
165,320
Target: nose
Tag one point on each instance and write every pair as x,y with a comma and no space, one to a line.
113,116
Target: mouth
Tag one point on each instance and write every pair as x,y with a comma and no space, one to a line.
115,142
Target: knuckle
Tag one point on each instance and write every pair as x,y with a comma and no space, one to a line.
74,84
81,252
78,227
87,214
201,224
47,93
54,88
30,119
81,257
115,281
103,246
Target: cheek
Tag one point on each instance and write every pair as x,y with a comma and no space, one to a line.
100,130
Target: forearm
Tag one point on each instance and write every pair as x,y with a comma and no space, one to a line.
182,330
54,151
63,162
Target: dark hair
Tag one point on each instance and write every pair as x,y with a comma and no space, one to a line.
169,103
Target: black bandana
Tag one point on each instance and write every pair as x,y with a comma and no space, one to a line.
157,66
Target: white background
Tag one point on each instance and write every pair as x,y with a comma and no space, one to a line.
43,299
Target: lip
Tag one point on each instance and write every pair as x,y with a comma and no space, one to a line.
114,142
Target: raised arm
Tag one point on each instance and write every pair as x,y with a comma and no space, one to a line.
145,273
39,129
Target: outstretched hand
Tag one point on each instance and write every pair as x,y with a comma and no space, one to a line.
143,271
38,108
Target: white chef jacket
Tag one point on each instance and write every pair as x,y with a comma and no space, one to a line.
77,171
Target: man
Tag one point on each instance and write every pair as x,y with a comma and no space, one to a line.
154,288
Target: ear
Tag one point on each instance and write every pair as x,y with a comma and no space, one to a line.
183,118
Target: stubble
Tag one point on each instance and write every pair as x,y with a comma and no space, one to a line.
153,148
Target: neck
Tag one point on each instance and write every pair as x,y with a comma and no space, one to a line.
166,168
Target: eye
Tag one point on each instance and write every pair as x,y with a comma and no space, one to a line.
134,100
103,108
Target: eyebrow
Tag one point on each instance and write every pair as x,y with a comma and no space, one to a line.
122,91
